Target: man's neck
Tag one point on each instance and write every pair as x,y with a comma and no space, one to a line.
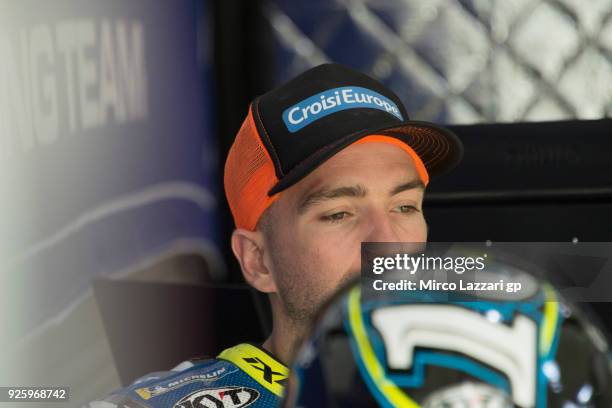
284,341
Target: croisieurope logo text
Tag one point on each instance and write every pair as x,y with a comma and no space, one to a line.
333,100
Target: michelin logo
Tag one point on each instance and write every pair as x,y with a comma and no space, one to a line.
333,100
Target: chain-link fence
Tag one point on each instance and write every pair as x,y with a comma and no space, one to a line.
461,61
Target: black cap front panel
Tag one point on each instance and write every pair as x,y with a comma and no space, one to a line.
321,106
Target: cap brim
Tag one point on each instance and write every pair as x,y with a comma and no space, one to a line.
439,149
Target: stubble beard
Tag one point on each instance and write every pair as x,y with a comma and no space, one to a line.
302,300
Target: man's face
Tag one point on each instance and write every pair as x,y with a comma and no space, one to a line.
367,192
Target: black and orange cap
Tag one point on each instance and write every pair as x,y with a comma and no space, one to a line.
293,129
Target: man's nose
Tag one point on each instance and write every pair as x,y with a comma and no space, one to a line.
379,228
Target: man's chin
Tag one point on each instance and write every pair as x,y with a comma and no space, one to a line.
332,295
308,309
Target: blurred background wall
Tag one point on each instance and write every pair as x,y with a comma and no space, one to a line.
108,165
115,118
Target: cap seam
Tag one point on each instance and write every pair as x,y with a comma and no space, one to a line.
265,133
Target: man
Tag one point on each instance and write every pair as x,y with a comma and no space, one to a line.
320,164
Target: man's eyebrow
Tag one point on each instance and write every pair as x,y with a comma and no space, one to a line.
325,194
416,183
357,191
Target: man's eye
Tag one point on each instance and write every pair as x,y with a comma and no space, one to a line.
407,208
336,217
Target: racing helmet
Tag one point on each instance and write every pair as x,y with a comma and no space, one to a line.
418,349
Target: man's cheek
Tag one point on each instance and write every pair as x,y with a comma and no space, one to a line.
413,230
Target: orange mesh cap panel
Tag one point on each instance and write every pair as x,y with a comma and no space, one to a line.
249,175
418,163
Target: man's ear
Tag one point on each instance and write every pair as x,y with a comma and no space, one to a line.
249,248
